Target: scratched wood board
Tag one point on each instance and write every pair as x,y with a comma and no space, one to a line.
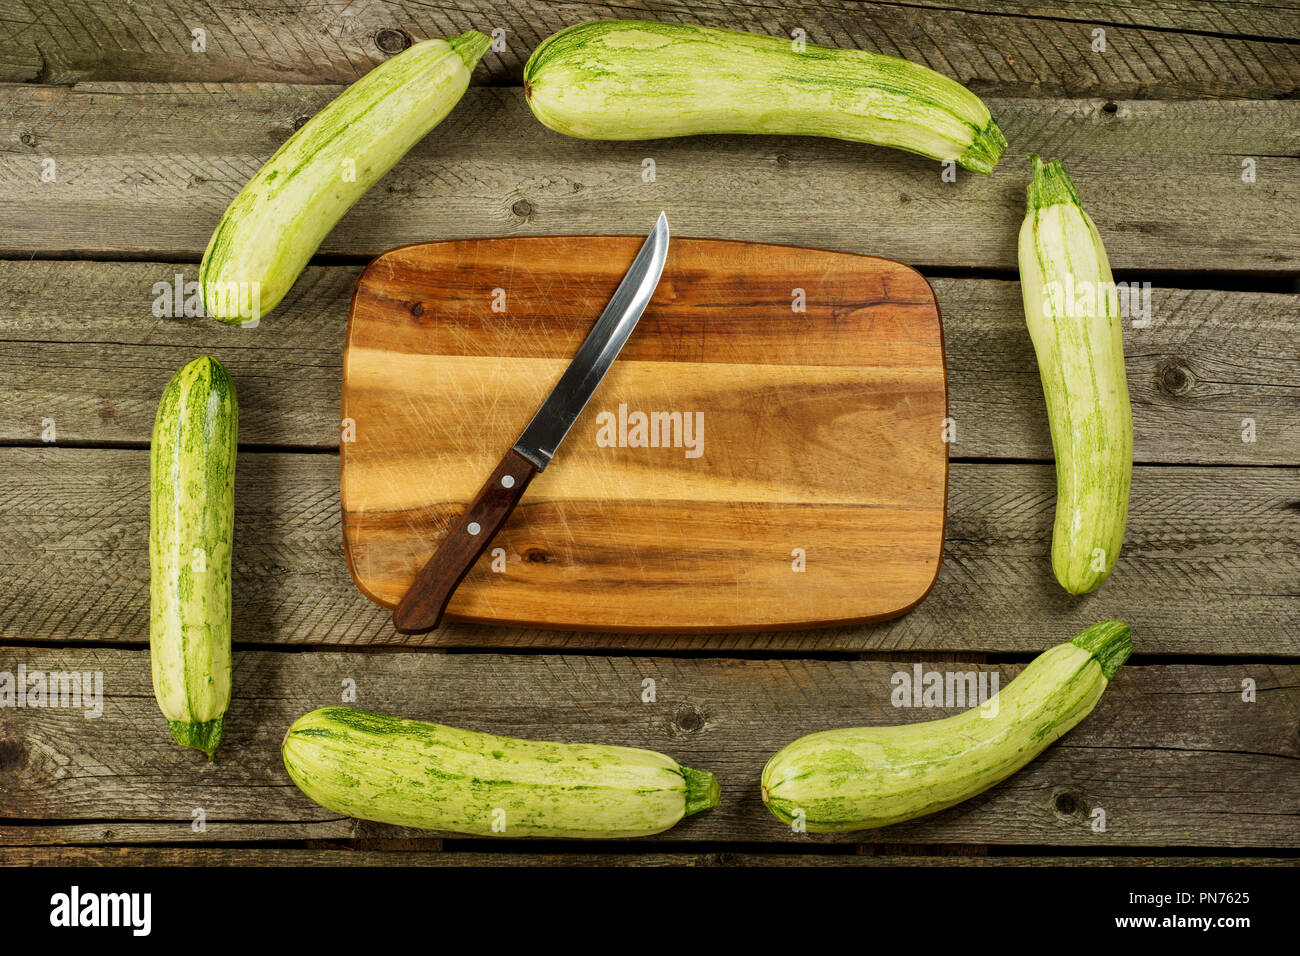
766,452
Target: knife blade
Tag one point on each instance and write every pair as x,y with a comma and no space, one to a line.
422,606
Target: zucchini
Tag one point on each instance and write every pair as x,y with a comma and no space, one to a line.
866,777
629,79
283,213
191,531
1072,310
417,774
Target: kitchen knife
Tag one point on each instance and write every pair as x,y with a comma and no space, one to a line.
421,608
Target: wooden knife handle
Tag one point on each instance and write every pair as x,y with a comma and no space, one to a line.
421,608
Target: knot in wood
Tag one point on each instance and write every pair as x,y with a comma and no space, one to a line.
12,754
1175,377
689,719
1068,803
392,41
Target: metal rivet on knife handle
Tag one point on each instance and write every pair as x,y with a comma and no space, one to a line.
422,606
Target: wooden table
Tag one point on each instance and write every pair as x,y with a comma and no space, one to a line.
1193,753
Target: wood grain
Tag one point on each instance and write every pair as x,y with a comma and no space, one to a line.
82,347
806,457
1172,753
1147,172
1154,47
1210,564
1230,18
247,856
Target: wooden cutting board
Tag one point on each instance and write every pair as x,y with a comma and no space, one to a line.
809,489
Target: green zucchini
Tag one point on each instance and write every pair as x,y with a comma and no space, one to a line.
629,79
282,215
864,777
417,774
1072,310
191,531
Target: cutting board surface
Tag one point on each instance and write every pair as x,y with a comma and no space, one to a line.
766,452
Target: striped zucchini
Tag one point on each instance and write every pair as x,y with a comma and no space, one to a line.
856,779
418,774
282,215
1072,310
191,530
628,79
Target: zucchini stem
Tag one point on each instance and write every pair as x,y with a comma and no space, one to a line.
201,735
985,150
1051,185
702,791
470,47
1109,642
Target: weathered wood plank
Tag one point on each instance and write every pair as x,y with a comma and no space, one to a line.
132,179
242,856
1172,754
1210,564
1244,18
326,833
82,348
1152,49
